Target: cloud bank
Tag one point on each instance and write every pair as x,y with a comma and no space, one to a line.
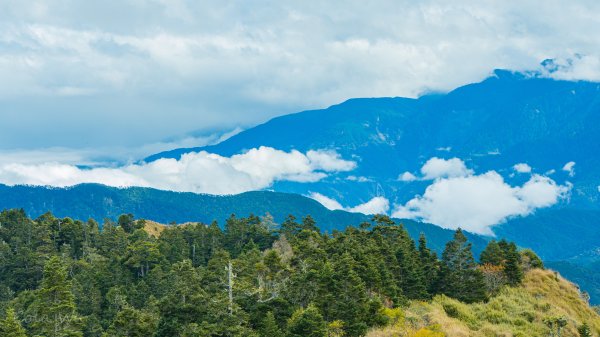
478,202
178,67
377,205
200,172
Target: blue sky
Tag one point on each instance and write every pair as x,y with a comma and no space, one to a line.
91,78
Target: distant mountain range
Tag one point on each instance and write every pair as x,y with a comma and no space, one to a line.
507,119
99,202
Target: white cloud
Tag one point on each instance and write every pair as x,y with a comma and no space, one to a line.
200,172
377,205
329,203
176,66
579,67
443,168
407,176
110,156
478,202
522,168
570,168
359,179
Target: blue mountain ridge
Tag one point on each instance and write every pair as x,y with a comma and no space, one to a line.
508,118
98,202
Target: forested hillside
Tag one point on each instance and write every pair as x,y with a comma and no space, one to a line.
98,202
64,277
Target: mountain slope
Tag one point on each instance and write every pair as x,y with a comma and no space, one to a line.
99,201
518,311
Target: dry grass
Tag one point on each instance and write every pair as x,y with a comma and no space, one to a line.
513,312
154,228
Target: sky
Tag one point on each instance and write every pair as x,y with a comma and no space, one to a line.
88,88
95,80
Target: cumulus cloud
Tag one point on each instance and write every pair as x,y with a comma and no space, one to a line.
377,205
407,176
569,168
478,202
200,172
522,168
444,168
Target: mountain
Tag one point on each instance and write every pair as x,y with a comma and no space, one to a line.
506,119
98,202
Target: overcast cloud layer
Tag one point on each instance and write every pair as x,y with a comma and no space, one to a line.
91,74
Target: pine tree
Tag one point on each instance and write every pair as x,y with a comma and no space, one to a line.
269,327
10,326
429,263
55,303
350,301
308,223
307,323
459,276
584,330
412,277
492,254
130,322
512,266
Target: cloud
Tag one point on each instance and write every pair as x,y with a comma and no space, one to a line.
177,67
443,168
407,176
578,67
113,155
329,203
359,179
478,202
522,168
377,205
569,168
200,172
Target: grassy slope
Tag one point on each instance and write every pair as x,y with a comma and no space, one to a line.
514,312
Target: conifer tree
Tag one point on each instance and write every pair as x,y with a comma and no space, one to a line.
55,304
584,330
131,322
10,326
307,323
429,263
459,276
512,266
492,254
269,327
308,223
